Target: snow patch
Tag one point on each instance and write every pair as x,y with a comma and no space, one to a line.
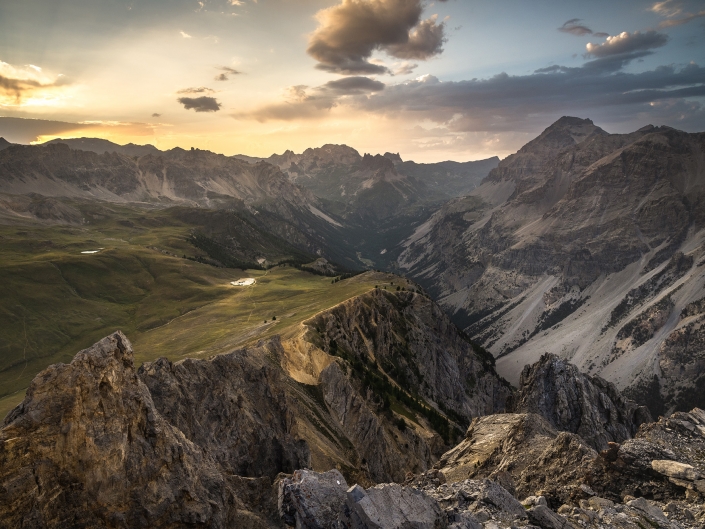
244,282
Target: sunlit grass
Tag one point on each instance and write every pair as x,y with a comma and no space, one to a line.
57,301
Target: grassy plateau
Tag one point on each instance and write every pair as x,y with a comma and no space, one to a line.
56,300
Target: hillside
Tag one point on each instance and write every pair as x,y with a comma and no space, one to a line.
585,244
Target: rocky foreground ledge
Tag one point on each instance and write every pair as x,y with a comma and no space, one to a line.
214,444
575,487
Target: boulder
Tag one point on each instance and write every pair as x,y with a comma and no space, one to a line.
674,469
312,500
546,518
392,506
652,512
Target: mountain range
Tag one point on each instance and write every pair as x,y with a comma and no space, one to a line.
330,339
584,244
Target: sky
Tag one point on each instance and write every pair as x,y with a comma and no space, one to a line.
450,79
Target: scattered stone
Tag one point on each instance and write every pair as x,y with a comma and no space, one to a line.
652,512
598,503
546,518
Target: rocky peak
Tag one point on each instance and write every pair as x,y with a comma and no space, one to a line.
100,146
565,132
377,162
394,157
574,402
4,144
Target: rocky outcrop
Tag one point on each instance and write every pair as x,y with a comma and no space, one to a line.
404,379
87,447
392,506
662,462
311,499
235,406
524,453
475,504
574,402
97,443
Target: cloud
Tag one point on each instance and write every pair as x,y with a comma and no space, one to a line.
303,102
627,43
351,31
196,90
200,104
425,40
156,115
504,102
684,20
185,35
22,130
16,83
405,68
671,9
668,8
571,26
226,72
352,86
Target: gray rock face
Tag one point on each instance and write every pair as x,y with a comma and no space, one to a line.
416,344
309,500
573,402
392,506
235,406
386,455
546,518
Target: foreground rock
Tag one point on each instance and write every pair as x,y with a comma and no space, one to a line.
214,443
425,503
664,461
87,447
524,453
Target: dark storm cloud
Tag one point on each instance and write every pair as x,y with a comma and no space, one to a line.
574,27
306,103
520,102
506,102
200,104
353,86
350,32
226,72
628,43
